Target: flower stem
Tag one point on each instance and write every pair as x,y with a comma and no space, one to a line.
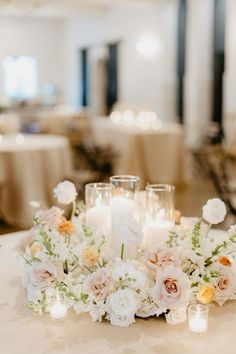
122,251
209,227
73,210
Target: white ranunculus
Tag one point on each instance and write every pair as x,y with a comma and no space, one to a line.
131,233
65,192
122,306
176,315
214,211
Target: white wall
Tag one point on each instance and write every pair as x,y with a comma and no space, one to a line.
41,38
149,82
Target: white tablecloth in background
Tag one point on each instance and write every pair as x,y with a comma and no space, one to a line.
157,156
22,332
30,167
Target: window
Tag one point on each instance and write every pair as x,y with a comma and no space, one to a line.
20,77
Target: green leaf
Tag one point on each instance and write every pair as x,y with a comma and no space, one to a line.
196,235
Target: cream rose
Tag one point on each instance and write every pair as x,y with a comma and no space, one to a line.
172,288
98,283
65,192
206,294
43,274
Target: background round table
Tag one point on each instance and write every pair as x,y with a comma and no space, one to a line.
156,155
30,167
22,332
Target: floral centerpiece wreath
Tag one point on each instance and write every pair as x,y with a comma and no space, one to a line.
65,258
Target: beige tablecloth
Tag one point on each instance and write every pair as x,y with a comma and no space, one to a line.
157,156
30,167
22,332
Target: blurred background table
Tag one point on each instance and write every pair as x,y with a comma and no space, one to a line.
30,167
22,332
156,155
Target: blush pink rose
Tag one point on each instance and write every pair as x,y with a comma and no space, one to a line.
225,285
23,244
98,284
50,218
162,258
172,288
43,274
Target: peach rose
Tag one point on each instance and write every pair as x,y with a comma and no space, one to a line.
66,227
34,249
98,284
90,257
206,294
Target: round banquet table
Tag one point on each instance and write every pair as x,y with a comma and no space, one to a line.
30,167
156,155
22,332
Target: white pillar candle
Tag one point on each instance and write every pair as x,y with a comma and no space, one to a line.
58,310
99,218
156,233
123,210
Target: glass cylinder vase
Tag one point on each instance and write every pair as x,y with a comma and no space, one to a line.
124,209
98,201
160,202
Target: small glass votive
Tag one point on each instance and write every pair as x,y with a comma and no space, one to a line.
160,201
97,200
124,208
198,319
58,310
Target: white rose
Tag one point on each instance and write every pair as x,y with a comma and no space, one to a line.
122,306
131,233
65,192
214,211
176,315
